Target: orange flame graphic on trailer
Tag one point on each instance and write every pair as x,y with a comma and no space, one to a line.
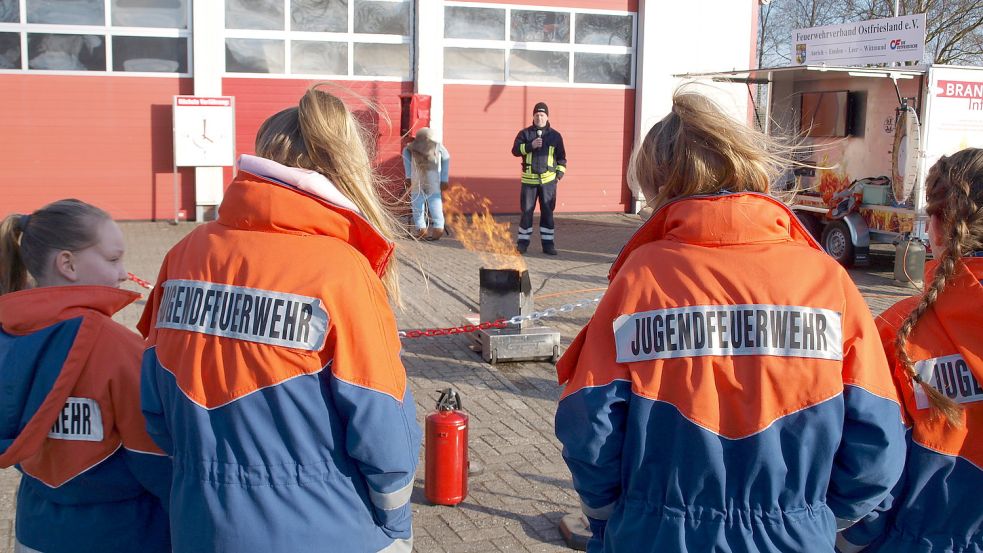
469,216
830,182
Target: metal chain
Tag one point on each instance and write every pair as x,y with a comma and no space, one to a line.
554,311
501,323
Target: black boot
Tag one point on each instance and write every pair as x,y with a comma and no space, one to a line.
549,248
522,246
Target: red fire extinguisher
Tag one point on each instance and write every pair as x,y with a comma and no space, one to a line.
446,481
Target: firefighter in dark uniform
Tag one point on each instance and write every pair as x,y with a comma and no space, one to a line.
543,164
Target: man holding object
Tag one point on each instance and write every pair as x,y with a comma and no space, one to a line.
543,165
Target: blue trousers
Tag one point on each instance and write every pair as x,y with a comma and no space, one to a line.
427,204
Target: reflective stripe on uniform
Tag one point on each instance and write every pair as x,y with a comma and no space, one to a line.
549,156
542,178
525,233
399,546
601,513
844,523
522,148
391,500
546,234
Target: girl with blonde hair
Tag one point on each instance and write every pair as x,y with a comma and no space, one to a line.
273,374
934,344
730,392
93,480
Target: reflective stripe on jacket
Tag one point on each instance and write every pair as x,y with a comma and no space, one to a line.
730,392
937,506
274,379
70,402
545,164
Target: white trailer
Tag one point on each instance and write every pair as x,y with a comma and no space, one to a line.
893,122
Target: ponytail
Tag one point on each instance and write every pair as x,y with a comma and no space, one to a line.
13,272
322,135
27,242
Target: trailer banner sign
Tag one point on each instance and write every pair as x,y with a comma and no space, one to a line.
968,90
876,41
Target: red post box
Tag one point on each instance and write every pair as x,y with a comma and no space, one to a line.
446,480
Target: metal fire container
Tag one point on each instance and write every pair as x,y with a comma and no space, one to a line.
503,294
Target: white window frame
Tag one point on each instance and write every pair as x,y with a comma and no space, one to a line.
351,38
107,31
571,47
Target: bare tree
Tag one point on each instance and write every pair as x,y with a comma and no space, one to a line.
953,34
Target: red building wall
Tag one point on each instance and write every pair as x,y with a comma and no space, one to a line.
103,139
257,99
107,140
481,121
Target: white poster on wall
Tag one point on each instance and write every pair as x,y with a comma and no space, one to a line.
877,41
204,131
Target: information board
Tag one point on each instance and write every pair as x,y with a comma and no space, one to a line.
204,131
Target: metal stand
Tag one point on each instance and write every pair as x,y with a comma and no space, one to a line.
529,344
504,345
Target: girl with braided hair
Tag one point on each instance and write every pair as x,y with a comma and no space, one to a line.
935,345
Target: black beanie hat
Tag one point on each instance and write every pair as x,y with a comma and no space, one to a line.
541,107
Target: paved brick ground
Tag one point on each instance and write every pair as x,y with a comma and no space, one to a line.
516,503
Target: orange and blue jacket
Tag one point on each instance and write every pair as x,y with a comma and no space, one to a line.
730,393
273,376
93,481
938,505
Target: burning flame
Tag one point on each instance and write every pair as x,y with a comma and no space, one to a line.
469,216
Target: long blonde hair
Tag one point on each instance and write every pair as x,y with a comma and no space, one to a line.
27,242
322,135
699,149
955,196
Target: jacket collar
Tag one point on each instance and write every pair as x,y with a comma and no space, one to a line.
958,308
30,310
277,198
719,220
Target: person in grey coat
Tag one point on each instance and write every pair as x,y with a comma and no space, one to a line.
427,165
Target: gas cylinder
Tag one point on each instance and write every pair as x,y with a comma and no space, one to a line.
446,480
909,261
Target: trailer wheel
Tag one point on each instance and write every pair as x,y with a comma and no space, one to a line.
838,244
811,224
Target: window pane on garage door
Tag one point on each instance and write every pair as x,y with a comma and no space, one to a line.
602,68
539,66
484,64
474,23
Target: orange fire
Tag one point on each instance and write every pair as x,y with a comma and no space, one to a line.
469,216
